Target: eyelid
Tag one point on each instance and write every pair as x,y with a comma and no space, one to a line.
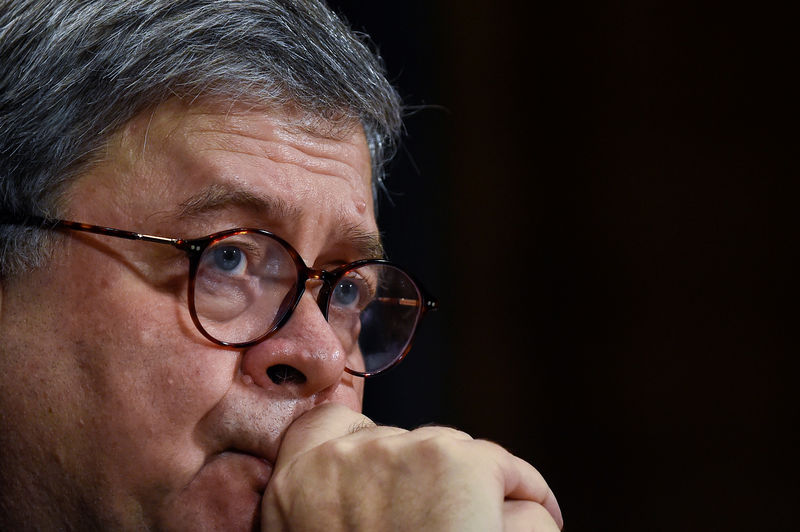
248,248
255,254
369,282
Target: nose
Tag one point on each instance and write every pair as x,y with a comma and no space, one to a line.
303,358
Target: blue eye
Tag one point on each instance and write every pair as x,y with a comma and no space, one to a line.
346,293
228,258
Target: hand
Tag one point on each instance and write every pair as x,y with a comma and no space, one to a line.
337,471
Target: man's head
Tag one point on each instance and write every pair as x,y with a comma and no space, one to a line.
73,73
180,119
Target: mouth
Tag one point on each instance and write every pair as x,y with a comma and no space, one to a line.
262,472
255,468
241,439
225,494
255,472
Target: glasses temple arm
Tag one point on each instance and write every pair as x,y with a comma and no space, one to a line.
429,304
53,223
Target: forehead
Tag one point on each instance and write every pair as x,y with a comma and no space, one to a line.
205,162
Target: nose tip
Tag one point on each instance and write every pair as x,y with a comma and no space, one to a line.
303,358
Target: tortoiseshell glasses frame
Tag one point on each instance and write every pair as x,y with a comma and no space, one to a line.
245,283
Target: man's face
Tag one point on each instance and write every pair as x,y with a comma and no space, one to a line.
115,409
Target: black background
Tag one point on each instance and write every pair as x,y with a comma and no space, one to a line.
601,196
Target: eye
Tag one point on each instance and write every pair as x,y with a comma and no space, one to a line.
229,259
346,293
353,292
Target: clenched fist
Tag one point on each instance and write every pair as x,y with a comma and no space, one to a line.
338,471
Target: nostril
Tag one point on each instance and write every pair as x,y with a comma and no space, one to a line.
281,374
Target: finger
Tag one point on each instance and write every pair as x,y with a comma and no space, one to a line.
523,482
317,426
551,505
527,516
372,431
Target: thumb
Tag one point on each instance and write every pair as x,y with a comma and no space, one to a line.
317,426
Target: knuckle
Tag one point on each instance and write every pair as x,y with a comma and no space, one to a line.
380,450
336,450
440,449
489,446
442,430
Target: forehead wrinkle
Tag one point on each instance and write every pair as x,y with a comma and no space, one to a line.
313,153
335,150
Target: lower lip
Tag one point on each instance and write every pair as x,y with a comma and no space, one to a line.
259,469
226,493
242,504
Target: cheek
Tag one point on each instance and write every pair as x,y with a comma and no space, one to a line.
104,369
149,378
138,335
149,400
144,364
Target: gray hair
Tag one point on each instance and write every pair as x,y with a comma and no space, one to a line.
72,72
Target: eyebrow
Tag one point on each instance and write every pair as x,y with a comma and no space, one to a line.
216,197
368,245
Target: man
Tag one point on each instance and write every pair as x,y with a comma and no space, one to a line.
192,291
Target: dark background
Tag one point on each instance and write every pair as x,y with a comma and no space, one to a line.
601,196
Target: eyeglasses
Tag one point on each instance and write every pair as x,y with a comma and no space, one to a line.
244,285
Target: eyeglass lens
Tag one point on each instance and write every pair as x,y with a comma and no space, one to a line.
246,283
